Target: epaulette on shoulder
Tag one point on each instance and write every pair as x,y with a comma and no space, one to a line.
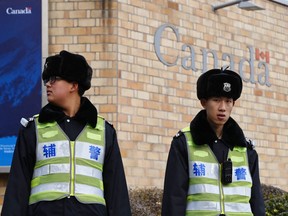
178,134
24,122
250,144
110,123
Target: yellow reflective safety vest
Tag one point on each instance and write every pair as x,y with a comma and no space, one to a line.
207,195
68,168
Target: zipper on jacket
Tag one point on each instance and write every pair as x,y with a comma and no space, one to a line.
72,170
221,192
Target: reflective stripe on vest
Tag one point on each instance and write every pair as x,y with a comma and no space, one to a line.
206,194
69,168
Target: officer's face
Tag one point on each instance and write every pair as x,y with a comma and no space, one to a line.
59,91
218,109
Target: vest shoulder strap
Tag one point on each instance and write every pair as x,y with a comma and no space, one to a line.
186,129
100,123
240,149
110,123
99,116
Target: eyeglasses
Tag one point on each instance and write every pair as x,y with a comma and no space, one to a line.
51,79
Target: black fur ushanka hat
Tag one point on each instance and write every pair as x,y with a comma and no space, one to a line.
219,83
70,67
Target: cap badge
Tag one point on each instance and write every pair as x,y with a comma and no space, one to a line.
227,87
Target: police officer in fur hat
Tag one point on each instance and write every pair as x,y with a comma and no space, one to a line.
212,169
67,159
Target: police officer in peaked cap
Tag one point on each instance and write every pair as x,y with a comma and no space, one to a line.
212,169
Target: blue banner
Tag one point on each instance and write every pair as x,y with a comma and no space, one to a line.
20,69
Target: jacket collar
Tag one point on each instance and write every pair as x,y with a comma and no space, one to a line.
202,132
86,114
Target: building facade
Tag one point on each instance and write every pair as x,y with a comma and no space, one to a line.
146,57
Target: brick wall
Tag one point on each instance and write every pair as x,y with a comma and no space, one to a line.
155,100
148,102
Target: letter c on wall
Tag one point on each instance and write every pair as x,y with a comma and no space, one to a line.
157,42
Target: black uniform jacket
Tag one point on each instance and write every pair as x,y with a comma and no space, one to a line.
18,188
177,176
